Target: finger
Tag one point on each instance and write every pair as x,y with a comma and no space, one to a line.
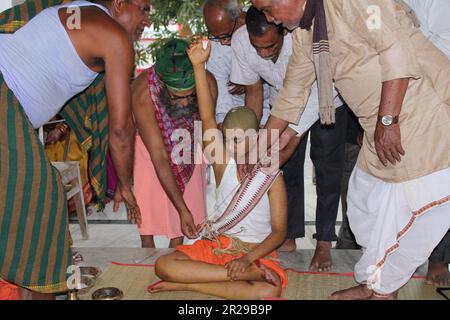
116,206
400,149
381,156
193,230
241,269
233,273
139,217
396,154
132,218
389,157
191,234
135,217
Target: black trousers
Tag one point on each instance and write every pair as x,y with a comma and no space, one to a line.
327,155
442,252
346,239
293,173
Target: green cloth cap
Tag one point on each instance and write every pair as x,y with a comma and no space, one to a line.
174,67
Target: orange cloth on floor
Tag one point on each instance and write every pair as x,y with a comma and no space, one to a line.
9,291
202,250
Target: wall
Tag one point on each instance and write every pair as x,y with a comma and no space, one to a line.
5,4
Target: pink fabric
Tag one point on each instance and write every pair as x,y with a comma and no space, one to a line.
159,216
111,176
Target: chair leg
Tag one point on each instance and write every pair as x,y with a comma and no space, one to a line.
81,213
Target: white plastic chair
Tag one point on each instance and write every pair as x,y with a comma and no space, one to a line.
71,180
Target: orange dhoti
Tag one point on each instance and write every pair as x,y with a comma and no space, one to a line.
203,250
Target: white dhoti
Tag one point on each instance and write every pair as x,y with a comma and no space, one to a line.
397,224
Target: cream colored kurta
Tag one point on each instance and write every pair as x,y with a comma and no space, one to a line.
364,56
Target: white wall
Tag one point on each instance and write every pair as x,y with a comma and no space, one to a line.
5,4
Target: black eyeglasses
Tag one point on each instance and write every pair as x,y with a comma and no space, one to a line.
226,37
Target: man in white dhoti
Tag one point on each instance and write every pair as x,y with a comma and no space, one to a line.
434,23
398,85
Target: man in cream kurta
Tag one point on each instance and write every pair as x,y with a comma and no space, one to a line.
398,210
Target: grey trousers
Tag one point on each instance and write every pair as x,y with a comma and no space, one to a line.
442,252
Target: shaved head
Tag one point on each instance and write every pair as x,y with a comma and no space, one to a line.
241,118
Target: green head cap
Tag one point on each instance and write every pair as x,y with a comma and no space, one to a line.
174,67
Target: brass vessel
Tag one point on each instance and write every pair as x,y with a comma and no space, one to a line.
109,293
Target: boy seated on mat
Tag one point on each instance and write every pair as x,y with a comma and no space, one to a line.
243,263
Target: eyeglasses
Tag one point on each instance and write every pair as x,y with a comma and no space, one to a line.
226,37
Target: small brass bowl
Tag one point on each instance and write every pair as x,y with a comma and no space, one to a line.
88,283
109,293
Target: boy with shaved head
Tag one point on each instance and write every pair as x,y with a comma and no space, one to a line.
240,263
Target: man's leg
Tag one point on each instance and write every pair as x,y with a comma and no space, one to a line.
294,178
177,267
378,212
176,242
414,249
231,290
147,242
438,273
34,232
346,238
328,155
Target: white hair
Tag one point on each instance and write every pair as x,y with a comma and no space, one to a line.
232,8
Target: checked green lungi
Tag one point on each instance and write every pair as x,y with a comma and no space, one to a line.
34,235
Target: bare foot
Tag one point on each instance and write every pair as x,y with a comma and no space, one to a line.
163,286
360,292
270,276
288,246
322,261
392,296
438,274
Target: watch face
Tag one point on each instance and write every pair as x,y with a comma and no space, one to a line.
387,120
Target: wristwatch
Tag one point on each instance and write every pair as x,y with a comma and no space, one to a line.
388,120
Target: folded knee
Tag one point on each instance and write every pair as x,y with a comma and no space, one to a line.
163,267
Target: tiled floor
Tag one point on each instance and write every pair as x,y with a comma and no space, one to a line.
111,230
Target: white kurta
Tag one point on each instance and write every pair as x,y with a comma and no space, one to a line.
219,64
